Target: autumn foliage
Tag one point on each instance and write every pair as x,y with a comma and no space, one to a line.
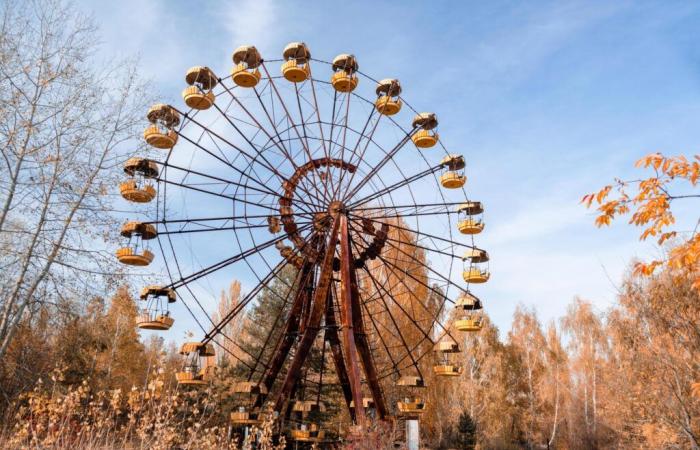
649,202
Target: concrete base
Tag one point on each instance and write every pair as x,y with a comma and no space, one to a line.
412,434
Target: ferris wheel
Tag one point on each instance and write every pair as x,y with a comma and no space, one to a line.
314,169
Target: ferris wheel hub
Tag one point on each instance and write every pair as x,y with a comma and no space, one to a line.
335,207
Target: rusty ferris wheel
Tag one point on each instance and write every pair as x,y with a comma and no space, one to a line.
300,170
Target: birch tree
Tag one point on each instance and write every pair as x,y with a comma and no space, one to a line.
227,302
528,341
66,122
587,346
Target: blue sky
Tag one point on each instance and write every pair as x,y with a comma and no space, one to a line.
546,100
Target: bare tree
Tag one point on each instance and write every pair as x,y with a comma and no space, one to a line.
227,302
67,120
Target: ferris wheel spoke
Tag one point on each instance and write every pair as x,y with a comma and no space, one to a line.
267,164
379,287
370,314
367,138
390,291
230,227
422,233
216,194
211,321
381,337
303,277
222,218
326,151
416,214
410,363
342,146
224,348
249,157
306,138
395,186
329,153
436,315
226,162
413,350
218,328
430,249
228,261
423,205
228,183
408,315
194,316
219,179
389,156
290,119
279,142
430,269
393,267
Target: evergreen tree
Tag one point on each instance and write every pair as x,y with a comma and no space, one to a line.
466,428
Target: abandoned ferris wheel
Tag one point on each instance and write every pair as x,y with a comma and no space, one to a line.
357,195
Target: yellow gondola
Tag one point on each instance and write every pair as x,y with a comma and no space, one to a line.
470,218
410,381
447,346
344,77
241,416
296,66
307,406
453,172
156,316
245,394
307,433
469,322
138,188
199,94
445,368
248,387
470,317
426,137
468,302
196,363
475,266
367,403
246,60
134,254
160,133
411,407
388,101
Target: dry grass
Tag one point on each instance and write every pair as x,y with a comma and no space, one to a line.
150,418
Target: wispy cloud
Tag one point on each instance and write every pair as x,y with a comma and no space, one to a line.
539,218
255,22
